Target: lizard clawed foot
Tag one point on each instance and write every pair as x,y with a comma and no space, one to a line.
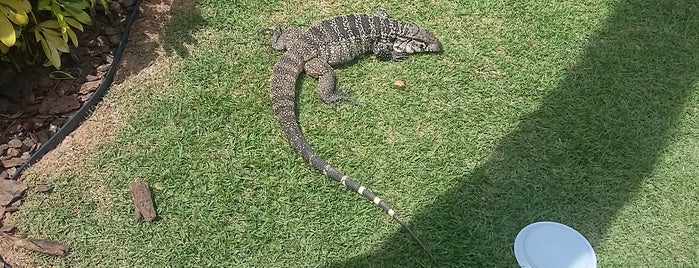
273,31
272,36
265,31
336,96
399,56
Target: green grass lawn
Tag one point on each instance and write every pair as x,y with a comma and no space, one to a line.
581,112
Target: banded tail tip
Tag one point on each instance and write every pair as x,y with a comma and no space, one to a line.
361,190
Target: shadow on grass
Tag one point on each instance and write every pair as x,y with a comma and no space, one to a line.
162,26
580,156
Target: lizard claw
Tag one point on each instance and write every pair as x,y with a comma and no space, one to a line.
351,100
269,32
399,56
339,95
265,31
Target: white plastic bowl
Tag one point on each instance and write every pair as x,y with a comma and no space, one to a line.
553,245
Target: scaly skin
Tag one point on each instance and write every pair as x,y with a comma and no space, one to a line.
328,43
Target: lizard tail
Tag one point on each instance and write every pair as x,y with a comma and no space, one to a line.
283,94
351,184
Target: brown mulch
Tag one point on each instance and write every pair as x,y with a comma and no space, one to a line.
33,106
35,103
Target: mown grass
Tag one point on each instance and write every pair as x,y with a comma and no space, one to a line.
582,112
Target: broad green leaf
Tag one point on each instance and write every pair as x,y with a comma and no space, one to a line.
51,54
52,24
60,75
18,44
37,34
17,6
50,31
7,32
62,25
4,48
75,24
79,15
105,6
57,11
56,42
19,19
14,10
78,4
73,37
26,5
43,4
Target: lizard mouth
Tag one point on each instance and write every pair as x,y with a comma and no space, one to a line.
435,47
417,46
432,44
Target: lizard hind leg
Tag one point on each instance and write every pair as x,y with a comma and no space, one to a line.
326,82
385,52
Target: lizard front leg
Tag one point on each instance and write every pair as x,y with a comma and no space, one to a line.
384,52
282,39
326,81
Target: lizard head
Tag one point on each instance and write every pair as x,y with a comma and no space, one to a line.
416,39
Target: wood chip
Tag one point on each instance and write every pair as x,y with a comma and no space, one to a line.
64,104
14,205
89,86
15,143
399,83
91,78
44,188
13,162
140,194
10,190
39,245
16,115
8,228
13,152
11,170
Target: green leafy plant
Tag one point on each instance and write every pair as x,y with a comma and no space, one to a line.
14,16
53,23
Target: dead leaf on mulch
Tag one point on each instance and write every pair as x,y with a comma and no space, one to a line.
13,162
39,245
64,104
10,190
8,228
14,206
